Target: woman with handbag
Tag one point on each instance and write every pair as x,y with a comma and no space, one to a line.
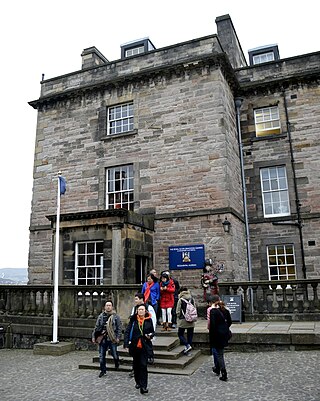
137,339
219,335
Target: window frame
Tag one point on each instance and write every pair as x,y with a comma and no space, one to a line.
119,117
268,124
281,268
271,191
96,268
265,55
134,51
120,197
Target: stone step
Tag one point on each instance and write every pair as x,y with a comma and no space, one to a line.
174,353
168,358
178,362
183,371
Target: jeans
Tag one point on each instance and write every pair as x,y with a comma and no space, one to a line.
220,357
215,357
103,347
189,335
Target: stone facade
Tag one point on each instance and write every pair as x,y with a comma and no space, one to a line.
184,151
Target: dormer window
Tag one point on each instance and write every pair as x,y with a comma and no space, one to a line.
263,54
136,47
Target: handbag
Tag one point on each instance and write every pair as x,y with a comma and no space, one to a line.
100,337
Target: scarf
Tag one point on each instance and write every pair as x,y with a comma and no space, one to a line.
147,292
165,283
140,320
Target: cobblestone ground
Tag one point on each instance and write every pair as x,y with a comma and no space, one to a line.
276,376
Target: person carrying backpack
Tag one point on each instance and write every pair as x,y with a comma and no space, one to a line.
183,323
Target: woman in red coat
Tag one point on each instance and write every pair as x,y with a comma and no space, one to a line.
167,289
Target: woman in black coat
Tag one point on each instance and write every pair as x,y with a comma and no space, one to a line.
137,338
219,335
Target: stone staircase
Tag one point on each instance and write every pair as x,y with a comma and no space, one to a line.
168,358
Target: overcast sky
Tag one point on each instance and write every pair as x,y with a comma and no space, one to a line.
42,37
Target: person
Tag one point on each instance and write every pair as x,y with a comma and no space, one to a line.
151,291
156,279
109,324
185,295
139,300
176,298
219,335
167,289
209,278
137,339
210,302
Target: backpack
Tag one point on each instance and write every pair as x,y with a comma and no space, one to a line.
191,314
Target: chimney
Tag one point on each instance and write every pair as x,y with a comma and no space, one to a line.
230,42
91,57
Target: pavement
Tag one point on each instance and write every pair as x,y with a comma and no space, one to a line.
253,376
278,327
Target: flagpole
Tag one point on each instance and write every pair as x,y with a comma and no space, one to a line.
56,271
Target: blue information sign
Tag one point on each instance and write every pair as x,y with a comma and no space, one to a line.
186,257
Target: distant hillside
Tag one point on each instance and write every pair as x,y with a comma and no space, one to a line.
13,276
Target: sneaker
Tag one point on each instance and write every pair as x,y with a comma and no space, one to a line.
187,349
102,374
143,390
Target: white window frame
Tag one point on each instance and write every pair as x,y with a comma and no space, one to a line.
120,187
120,119
281,262
263,58
134,51
267,121
275,193
90,271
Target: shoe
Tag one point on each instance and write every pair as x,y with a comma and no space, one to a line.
224,376
131,374
173,326
216,370
188,348
164,326
137,386
102,374
143,390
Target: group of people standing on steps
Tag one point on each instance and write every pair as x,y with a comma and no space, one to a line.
162,294
160,298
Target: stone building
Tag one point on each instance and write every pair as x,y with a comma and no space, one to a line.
183,151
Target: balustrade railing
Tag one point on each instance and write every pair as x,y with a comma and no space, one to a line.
74,301
276,297
259,297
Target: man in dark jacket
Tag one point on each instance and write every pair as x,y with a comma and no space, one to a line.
109,324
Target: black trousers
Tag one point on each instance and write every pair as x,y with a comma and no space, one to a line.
140,367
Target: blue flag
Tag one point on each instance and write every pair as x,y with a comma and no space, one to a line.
63,185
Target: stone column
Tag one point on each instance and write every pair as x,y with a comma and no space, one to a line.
116,264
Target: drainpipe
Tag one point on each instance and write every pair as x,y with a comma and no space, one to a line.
238,103
298,204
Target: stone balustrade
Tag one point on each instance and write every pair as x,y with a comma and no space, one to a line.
268,298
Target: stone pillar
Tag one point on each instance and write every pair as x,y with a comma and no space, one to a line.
116,264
